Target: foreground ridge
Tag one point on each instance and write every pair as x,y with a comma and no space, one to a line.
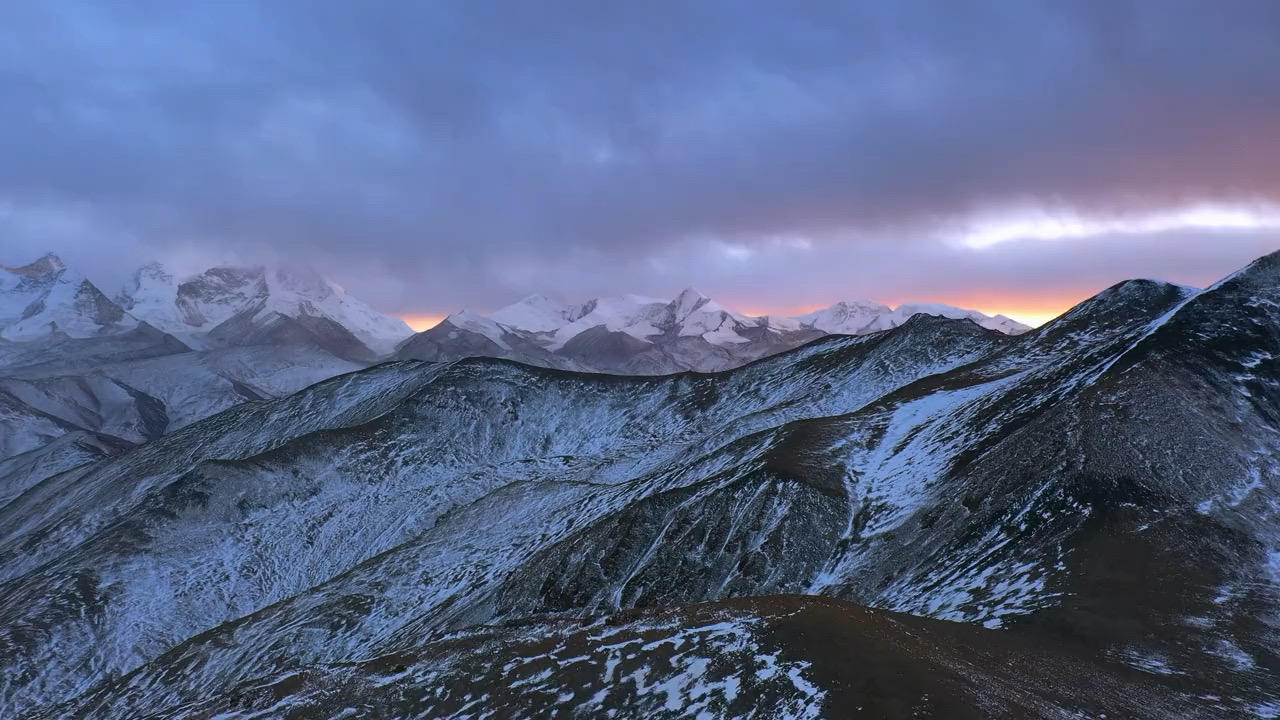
1092,506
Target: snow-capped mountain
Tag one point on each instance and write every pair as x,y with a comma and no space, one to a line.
634,334
853,317
1077,521
46,299
80,374
630,334
630,314
857,317
253,299
538,313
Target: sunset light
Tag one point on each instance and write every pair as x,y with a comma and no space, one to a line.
422,322
611,359
1033,310
1030,309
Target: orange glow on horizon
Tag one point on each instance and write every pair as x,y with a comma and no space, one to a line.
1033,310
422,322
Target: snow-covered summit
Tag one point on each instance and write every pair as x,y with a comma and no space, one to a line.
689,300
647,335
693,314
45,267
850,317
48,299
1006,325
538,313
635,315
197,304
857,317
478,324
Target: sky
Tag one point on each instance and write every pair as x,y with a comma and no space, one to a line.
1013,156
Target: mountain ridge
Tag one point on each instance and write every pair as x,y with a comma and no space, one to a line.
630,334
198,304
1105,486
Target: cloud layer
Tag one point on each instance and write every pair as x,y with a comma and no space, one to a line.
433,155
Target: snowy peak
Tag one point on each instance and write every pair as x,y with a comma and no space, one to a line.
689,300
644,318
216,295
44,268
903,312
635,315
850,317
153,274
300,282
690,331
478,324
1000,322
538,313
151,289
696,315
196,305
1004,324
859,317
47,299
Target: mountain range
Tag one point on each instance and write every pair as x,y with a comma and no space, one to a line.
637,335
247,306
169,350
929,520
244,306
98,375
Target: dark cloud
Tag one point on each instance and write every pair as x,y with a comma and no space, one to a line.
435,154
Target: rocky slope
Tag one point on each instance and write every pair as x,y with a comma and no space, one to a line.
1093,505
133,387
784,657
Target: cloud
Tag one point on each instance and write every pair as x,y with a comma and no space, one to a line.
456,153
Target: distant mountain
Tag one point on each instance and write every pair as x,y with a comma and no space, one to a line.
538,313
46,299
633,334
1077,521
628,334
257,305
858,317
220,307
78,371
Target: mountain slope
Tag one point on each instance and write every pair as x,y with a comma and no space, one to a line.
757,658
472,403
139,385
1102,491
